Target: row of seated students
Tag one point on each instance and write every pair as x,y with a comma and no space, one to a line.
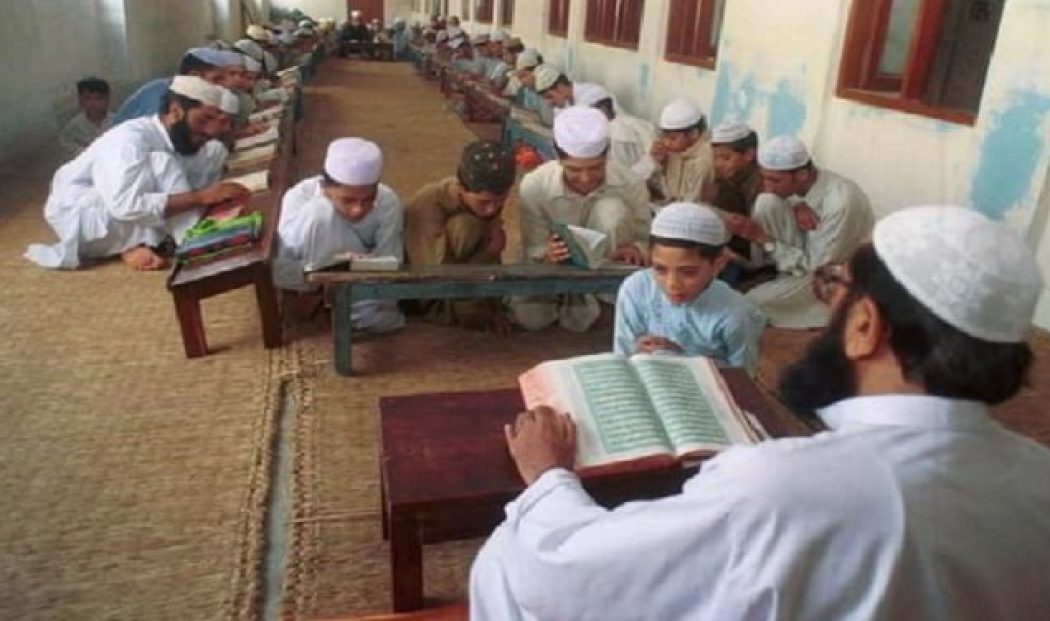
139,179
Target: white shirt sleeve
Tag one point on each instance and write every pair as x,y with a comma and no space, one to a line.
130,189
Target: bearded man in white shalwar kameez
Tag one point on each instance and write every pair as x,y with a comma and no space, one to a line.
915,504
142,181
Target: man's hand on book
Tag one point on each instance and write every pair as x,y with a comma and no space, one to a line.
557,250
539,440
650,343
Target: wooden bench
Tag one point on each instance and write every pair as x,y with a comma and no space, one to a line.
191,284
484,106
454,281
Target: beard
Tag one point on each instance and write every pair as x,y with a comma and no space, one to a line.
182,138
823,376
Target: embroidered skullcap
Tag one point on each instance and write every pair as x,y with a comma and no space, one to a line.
217,58
198,89
680,114
783,153
545,76
487,166
354,161
229,102
581,132
729,132
690,222
588,94
527,59
257,33
975,274
251,48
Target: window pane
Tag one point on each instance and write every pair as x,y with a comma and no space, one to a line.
716,24
903,16
963,52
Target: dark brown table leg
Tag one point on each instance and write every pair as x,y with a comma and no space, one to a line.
188,310
269,312
406,561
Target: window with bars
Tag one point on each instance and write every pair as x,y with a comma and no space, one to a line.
693,31
558,17
614,22
506,13
483,11
927,57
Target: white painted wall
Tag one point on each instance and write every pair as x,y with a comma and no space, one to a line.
337,8
50,44
777,70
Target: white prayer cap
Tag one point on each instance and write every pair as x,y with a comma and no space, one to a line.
354,161
680,114
527,59
975,274
287,37
249,47
729,132
251,64
305,23
499,36
545,77
256,32
456,43
198,89
355,13
217,58
589,93
690,222
229,102
480,38
783,153
581,132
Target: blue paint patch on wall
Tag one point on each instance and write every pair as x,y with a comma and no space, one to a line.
743,100
1009,155
787,110
723,93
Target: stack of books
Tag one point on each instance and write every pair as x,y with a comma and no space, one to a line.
220,233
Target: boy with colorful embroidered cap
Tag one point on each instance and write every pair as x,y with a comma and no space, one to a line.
457,221
679,305
344,209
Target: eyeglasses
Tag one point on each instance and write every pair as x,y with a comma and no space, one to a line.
827,279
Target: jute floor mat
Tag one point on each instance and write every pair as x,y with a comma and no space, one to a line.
133,480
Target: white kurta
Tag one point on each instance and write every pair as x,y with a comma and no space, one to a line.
619,208
846,220
80,132
631,140
112,197
912,507
312,231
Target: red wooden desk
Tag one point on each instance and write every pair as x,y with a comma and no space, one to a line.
189,285
446,473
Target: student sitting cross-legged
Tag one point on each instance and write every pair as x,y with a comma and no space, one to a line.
457,221
678,305
345,209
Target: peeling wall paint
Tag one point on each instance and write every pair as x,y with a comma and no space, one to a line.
787,110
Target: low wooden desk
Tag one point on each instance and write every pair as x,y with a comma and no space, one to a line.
484,106
521,126
446,473
454,281
190,285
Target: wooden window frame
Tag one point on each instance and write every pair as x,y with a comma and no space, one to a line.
558,17
506,20
859,79
605,24
483,11
701,14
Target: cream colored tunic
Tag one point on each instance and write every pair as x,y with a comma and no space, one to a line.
685,175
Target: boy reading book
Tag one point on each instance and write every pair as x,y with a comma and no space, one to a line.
344,209
645,411
678,305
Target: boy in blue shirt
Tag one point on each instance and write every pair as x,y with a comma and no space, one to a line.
678,305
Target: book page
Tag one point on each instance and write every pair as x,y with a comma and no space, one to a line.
613,416
255,182
269,135
696,415
252,157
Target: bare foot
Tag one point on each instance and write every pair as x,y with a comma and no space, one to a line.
143,259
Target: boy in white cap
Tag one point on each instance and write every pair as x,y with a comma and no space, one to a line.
141,182
630,138
679,305
738,182
554,86
583,188
915,504
682,155
807,217
204,62
344,209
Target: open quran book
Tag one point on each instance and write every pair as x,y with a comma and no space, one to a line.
270,134
643,411
269,114
251,158
587,247
355,262
257,181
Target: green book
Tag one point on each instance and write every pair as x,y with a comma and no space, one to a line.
587,247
